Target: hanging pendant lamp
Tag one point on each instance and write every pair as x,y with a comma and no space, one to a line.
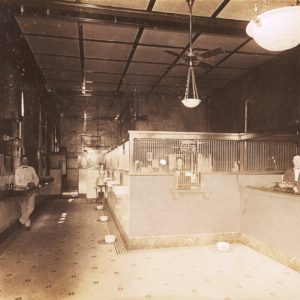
276,29
191,98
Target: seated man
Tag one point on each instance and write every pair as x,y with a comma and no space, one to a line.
292,175
26,177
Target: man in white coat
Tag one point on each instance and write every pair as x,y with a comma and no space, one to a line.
26,177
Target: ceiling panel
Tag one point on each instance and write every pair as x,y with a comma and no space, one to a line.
164,37
178,71
244,9
103,87
135,4
138,79
169,90
106,50
132,88
59,84
179,93
146,69
93,65
103,77
253,47
108,32
153,54
200,8
49,45
62,75
44,26
181,71
225,73
211,41
173,81
58,62
245,60
218,83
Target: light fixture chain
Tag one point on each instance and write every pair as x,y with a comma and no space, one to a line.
195,92
186,95
191,100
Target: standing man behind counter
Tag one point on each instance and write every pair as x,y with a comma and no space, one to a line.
101,187
292,174
26,177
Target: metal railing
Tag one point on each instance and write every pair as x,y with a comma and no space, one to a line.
187,155
168,155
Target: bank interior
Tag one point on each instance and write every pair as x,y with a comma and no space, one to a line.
194,197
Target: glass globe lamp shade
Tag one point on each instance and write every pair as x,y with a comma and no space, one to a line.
277,29
190,102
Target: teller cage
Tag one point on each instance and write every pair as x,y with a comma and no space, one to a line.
189,183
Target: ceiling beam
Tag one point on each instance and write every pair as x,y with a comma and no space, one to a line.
81,50
99,13
133,49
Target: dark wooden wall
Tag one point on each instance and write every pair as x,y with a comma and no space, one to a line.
20,72
274,91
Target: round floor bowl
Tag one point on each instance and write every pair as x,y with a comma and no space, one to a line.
223,246
110,238
103,218
99,207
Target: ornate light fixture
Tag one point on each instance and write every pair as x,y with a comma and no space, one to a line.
191,98
277,29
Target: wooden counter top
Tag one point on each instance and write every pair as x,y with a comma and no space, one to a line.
277,190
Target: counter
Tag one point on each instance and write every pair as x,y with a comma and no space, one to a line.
272,217
155,208
10,210
152,207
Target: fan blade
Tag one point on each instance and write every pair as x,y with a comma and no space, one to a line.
185,58
171,52
206,65
211,53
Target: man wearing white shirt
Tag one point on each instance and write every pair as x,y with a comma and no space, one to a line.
26,177
292,174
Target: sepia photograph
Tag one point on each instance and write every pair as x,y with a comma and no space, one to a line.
150,149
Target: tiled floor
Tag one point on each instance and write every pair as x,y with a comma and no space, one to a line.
69,260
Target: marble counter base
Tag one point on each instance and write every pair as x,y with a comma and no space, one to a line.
251,242
181,241
212,238
139,243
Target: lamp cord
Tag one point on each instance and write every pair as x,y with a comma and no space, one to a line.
190,2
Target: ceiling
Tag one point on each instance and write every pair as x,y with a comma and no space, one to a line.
118,46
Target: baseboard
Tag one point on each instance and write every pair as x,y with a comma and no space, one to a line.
272,252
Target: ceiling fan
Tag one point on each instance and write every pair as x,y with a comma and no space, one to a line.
194,57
